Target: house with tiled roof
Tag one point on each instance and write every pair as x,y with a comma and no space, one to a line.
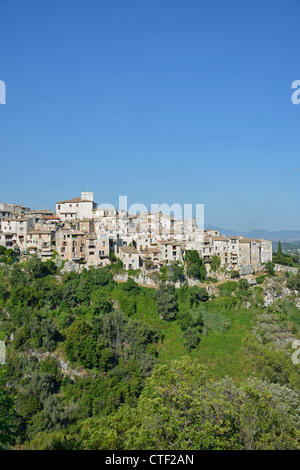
130,257
77,208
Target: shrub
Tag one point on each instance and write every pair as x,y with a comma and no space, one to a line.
215,321
260,279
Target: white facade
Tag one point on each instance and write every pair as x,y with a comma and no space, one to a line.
77,208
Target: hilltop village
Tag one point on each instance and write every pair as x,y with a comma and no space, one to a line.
82,233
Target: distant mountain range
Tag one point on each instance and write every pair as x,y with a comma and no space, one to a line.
282,235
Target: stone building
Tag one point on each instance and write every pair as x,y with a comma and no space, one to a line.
170,250
40,242
13,231
130,257
77,208
70,245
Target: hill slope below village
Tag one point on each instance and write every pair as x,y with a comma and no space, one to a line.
95,364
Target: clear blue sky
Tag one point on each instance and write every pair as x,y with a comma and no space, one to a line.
184,101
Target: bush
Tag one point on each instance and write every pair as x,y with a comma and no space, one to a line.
197,295
269,267
215,263
166,301
191,338
234,274
227,288
212,279
260,279
130,286
195,266
215,321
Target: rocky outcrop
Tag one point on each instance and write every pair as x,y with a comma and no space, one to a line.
285,269
63,365
268,329
246,269
141,278
71,267
275,289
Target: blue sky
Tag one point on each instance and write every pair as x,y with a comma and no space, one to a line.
165,101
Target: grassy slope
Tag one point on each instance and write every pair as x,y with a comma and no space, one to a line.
221,352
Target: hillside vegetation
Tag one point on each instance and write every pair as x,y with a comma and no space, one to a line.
92,364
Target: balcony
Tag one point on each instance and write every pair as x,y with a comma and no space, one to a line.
78,258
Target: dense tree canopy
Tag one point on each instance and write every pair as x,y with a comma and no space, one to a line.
92,364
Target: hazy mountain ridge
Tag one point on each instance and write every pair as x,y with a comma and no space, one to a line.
282,235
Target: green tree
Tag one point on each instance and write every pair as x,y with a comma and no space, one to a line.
215,263
191,338
112,257
195,266
166,301
9,424
130,286
182,408
176,272
270,268
35,267
197,295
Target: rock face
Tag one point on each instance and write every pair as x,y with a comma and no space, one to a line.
246,269
71,267
64,365
285,269
268,328
274,290
141,278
